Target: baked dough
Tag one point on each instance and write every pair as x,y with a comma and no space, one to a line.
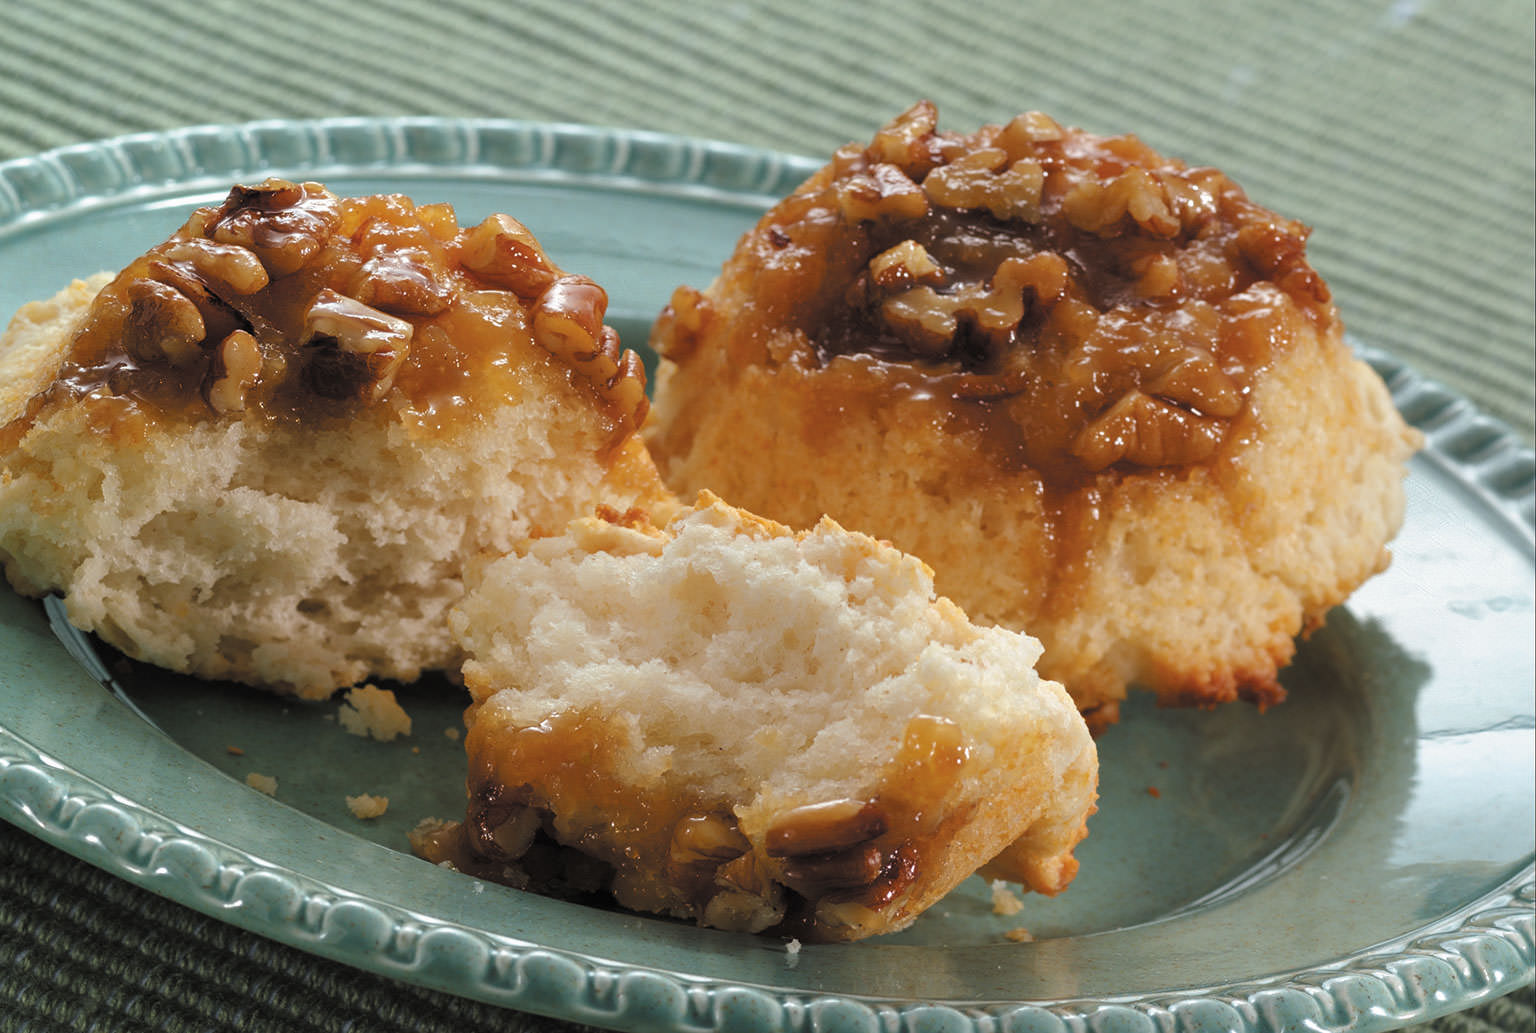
267,450
754,728
1101,392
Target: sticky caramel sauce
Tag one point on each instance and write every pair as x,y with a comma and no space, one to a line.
410,326
1170,317
565,768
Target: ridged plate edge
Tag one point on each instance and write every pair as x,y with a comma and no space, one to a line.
1481,952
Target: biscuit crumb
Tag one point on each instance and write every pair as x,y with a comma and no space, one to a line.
366,806
452,734
234,751
372,712
262,783
792,953
1004,900
1020,935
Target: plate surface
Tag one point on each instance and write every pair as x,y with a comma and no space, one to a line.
1359,857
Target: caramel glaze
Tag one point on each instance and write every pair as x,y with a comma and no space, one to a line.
553,790
348,303
1108,311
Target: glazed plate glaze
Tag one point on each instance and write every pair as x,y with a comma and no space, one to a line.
1358,858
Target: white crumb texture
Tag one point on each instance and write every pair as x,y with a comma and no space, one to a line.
750,663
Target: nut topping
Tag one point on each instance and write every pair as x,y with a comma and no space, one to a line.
236,367
822,827
984,179
290,303
235,267
1036,295
284,223
162,323
504,252
359,348
1147,431
884,191
710,837
815,875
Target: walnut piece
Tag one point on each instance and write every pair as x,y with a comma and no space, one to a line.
502,251
237,365
818,828
358,349
284,224
162,324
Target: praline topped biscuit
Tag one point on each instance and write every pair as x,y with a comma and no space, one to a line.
266,450
1102,392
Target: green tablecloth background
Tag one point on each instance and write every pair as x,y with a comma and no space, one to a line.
1400,130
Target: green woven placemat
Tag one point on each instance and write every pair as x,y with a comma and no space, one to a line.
1401,130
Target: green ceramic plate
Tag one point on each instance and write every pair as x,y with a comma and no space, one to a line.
1358,858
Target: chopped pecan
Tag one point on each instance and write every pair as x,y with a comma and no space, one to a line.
904,265
1196,383
710,837
236,267
820,827
1147,431
503,252
236,366
901,142
883,192
985,179
284,223
568,320
357,349
816,875
162,324
1100,207
408,281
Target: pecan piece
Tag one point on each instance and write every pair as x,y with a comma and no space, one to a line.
162,324
882,192
710,837
236,366
1147,431
901,142
1100,207
407,281
357,349
236,267
984,178
904,265
284,223
569,319
815,875
503,252
820,827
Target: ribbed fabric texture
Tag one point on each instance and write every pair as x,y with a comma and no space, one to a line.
1401,130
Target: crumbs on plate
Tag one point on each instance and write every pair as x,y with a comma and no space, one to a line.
373,713
366,806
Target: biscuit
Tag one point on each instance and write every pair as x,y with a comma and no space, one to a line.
1101,392
756,729
267,450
